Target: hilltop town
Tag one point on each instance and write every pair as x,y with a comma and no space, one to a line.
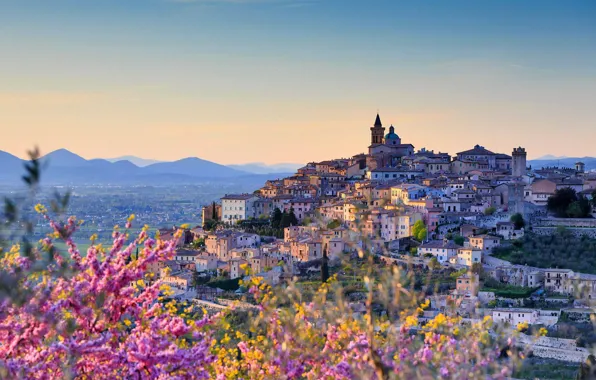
463,218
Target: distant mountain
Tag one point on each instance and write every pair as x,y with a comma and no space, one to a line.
261,168
10,166
140,162
568,162
63,158
195,167
550,157
67,168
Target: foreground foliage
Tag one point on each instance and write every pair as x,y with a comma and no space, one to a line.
102,314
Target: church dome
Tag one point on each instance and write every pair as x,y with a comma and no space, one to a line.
391,135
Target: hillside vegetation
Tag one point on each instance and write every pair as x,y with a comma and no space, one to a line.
560,250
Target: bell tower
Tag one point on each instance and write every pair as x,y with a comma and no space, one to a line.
377,132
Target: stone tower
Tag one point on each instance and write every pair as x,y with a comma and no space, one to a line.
580,167
518,162
377,132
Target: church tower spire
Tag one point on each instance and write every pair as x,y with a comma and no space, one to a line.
377,131
378,121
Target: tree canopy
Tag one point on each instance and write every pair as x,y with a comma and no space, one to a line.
566,203
419,230
276,218
288,219
518,220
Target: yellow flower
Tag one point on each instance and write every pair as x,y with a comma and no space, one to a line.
131,217
127,323
15,249
411,321
542,331
523,326
40,209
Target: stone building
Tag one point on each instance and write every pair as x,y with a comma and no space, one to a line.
386,150
518,162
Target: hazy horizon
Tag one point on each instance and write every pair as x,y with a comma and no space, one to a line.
294,80
124,157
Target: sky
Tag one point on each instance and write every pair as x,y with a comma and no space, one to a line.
236,81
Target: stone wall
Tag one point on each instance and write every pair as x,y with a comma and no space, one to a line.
566,222
490,221
578,232
554,348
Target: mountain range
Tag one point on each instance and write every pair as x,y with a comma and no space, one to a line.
568,162
252,167
64,167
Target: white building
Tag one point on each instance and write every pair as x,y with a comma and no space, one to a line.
556,280
235,270
441,249
535,279
206,263
406,193
467,257
235,207
394,226
515,316
247,240
392,174
186,255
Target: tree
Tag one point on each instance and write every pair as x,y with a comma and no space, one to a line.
198,280
574,210
419,230
288,219
325,266
594,198
489,210
459,240
210,224
199,243
585,206
580,208
559,202
434,263
333,224
518,220
276,218
292,218
214,211
478,268
104,318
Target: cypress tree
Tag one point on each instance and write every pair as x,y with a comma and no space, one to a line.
324,266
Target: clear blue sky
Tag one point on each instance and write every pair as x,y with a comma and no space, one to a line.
295,80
